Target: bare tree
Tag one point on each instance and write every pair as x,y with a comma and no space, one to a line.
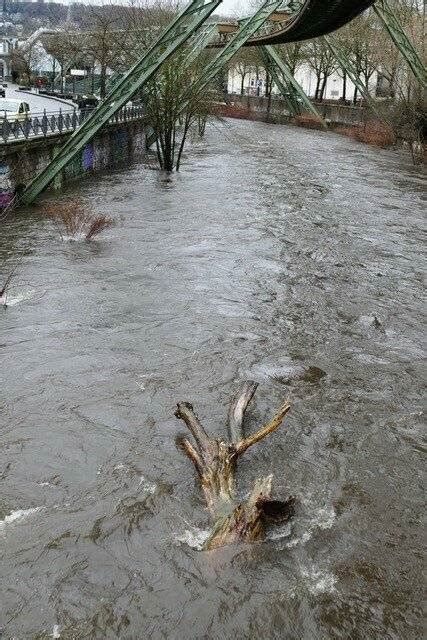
25,60
172,108
323,62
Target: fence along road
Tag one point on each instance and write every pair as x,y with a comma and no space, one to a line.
50,123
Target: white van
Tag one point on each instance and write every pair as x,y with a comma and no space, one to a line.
14,110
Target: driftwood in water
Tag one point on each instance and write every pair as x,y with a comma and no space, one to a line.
215,462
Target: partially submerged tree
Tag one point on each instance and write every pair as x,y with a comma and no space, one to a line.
4,289
215,461
172,108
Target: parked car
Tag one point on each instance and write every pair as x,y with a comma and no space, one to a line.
86,103
14,110
4,85
2,93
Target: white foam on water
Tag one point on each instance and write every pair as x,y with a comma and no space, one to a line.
11,301
78,237
318,581
19,514
194,537
280,532
324,518
146,485
55,631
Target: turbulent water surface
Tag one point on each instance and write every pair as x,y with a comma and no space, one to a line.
289,256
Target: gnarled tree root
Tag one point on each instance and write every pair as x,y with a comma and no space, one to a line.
215,462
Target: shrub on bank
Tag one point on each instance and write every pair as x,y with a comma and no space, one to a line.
309,121
378,134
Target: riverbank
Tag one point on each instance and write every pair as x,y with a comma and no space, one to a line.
356,122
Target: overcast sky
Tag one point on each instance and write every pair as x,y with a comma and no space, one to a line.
234,7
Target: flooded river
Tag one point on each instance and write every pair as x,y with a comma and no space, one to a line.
289,256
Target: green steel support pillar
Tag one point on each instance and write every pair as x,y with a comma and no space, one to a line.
195,47
172,38
247,29
349,68
200,41
285,90
401,40
279,69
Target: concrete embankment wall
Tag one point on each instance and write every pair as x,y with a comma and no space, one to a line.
114,146
257,108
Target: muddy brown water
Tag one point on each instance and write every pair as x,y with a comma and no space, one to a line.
290,256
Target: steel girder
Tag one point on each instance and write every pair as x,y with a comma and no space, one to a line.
348,67
278,64
247,29
200,41
401,40
171,39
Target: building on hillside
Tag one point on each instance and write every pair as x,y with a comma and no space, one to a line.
6,48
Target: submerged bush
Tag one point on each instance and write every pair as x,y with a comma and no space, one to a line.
75,220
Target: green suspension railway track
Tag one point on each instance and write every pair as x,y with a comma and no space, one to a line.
313,18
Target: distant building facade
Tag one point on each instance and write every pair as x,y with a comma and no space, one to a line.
254,84
6,48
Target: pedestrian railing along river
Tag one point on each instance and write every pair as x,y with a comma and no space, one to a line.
45,124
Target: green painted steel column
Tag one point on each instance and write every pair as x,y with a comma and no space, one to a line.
401,40
172,38
247,29
287,75
348,67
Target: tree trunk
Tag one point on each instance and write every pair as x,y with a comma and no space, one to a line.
242,85
323,87
268,88
183,139
355,95
102,82
316,92
344,87
215,461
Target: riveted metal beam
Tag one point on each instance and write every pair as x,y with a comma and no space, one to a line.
284,79
247,29
178,32
348,67
401,40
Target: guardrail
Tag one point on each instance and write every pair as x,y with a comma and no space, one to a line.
45,124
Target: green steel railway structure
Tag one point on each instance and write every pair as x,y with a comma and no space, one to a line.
275,22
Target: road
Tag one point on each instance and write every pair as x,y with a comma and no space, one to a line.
38,103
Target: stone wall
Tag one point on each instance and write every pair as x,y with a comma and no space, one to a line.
256,107
22,160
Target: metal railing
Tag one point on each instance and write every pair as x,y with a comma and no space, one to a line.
45,124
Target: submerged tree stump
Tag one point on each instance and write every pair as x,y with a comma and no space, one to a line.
215,462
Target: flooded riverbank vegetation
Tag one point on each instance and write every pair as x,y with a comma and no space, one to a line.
75,220
174,109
